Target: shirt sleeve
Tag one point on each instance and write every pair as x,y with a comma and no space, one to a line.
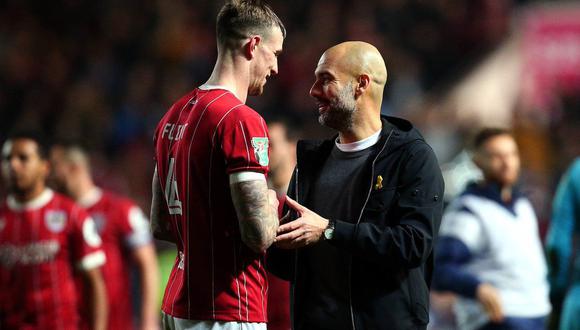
86,242
135,227
244,141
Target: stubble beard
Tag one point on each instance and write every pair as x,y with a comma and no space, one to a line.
340,115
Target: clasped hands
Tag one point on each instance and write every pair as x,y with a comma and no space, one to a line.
306,230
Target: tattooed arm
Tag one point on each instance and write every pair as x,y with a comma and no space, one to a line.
257,209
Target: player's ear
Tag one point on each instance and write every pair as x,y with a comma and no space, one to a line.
251,45
364,82
46,167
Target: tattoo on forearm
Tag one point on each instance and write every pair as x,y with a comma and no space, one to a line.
258,219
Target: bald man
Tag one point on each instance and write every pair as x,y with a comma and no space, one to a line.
366,207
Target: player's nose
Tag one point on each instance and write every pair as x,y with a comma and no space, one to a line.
274,70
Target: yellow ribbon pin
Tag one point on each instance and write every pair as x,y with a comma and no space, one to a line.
379,183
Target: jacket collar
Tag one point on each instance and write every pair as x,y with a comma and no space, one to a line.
309,151
492,191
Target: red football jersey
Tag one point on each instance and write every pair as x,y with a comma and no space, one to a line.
122,227
204,137
41,243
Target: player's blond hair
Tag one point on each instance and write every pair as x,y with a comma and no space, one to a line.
240,19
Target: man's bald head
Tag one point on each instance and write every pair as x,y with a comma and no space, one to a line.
350,80
356,58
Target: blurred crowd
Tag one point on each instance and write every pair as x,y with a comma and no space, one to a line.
105,72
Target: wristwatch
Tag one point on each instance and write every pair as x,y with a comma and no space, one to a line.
329,231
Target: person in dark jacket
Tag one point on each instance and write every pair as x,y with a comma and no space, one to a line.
366,205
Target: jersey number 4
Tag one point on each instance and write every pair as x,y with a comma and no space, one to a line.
171,194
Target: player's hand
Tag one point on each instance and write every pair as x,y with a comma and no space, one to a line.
305,230
489,298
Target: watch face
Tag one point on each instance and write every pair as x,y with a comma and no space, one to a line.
328,232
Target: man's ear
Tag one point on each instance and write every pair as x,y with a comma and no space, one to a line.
46,167
250,47
364,82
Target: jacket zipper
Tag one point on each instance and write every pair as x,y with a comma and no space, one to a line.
357,222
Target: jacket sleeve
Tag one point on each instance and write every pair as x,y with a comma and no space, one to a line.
416,212
281,262
565,220
451,257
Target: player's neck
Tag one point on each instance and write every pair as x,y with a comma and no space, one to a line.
29,195
231,74
83,188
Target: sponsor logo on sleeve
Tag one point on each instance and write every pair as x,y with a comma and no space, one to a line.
55,221
99,219
260,145
90,233
137,220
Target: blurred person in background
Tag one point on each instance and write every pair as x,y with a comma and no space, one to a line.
282,163
210,195
562,246
124,229
44,239
359,253
489,252
283,138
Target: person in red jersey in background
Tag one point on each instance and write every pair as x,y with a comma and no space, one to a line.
124,230
210,195
44,237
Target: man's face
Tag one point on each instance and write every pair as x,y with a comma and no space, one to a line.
60,169
499,160
265,63
334,94
22,167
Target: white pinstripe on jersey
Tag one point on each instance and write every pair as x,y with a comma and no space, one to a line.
210,170
187,222
184,221
163,189
246,144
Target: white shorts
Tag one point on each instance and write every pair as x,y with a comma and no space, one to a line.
174,323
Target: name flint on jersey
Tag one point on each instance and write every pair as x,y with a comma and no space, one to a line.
174,132
31,254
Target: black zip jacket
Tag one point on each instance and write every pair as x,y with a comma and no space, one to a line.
390,246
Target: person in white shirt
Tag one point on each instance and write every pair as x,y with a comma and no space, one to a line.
489,252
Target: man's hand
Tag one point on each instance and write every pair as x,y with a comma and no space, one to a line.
488,296
305,230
